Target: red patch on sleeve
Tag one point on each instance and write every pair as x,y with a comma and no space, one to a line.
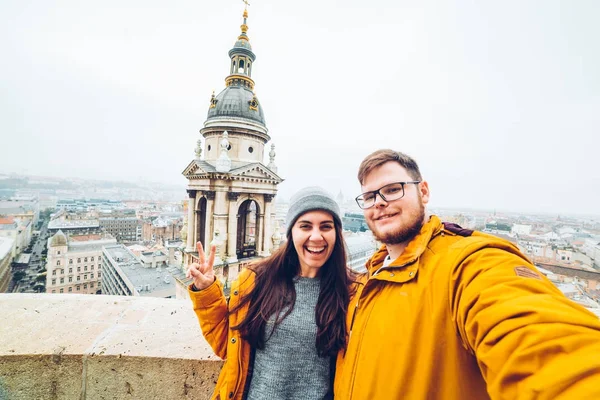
527,273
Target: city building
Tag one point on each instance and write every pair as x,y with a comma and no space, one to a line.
162,228
74,263
19,229
71,224
230,190
124,229
125,275
87,204
22,207
498,227
355,222
6,257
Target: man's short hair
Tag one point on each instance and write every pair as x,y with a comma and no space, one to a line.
380,157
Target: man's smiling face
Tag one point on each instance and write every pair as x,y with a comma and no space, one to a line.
396,221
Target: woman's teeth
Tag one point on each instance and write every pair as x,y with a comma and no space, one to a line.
315,250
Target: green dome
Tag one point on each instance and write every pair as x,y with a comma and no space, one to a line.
234,101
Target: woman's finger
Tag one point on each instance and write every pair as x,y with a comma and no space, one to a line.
201,254
211,256
192,270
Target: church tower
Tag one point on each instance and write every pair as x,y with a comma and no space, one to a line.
230,190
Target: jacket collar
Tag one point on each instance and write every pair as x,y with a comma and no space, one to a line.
413,250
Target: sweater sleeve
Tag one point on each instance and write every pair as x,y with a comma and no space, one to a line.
530,341
210,307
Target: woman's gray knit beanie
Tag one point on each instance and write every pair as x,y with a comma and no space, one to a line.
311,199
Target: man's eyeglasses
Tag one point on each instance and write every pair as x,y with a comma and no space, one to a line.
390,192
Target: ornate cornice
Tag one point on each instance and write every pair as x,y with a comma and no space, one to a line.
218,131
218,176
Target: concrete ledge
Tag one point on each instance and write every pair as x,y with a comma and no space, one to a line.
102,347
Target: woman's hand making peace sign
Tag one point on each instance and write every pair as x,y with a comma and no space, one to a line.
202,272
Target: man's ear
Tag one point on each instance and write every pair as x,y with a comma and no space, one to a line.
424,189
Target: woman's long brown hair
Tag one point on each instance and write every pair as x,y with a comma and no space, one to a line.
274,292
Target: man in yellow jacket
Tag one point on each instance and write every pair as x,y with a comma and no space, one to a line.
448,313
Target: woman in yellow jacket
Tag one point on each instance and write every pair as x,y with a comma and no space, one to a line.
285,321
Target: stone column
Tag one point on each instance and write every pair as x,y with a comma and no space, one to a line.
232,228
267,230
210,210
260,229
220,220
191,221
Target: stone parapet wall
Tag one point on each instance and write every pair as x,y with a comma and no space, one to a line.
102,347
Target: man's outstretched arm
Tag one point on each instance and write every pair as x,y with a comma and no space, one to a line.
530,341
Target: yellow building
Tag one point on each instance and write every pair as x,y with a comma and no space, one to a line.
74,264
6,247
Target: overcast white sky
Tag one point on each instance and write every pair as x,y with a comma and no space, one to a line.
497,100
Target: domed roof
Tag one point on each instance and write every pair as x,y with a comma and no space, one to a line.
59,239
234,101
242,44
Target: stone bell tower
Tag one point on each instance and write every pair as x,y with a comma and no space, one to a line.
230,190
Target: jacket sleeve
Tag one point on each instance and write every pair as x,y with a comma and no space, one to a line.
530,341
210,307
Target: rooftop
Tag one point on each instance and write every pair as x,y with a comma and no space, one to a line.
146,281
91,245
73,224
116,218
8,227
85,238
23,258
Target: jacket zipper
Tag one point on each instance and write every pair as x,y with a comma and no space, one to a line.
353,317
354,363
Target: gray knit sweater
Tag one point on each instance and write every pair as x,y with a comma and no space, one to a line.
289,367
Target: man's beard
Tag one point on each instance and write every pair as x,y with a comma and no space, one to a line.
403,233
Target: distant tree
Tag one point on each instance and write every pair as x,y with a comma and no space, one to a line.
18,276
44,215
40,278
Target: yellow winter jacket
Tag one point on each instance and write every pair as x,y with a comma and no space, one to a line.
211,309
462,315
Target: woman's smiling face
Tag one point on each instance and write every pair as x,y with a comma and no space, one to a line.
313,235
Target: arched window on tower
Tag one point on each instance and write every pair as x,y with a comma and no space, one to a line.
201,222
233,64
247,229
241,67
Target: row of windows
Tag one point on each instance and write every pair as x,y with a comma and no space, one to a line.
115,283
113,224
62,271
85,277
78,288
85,259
